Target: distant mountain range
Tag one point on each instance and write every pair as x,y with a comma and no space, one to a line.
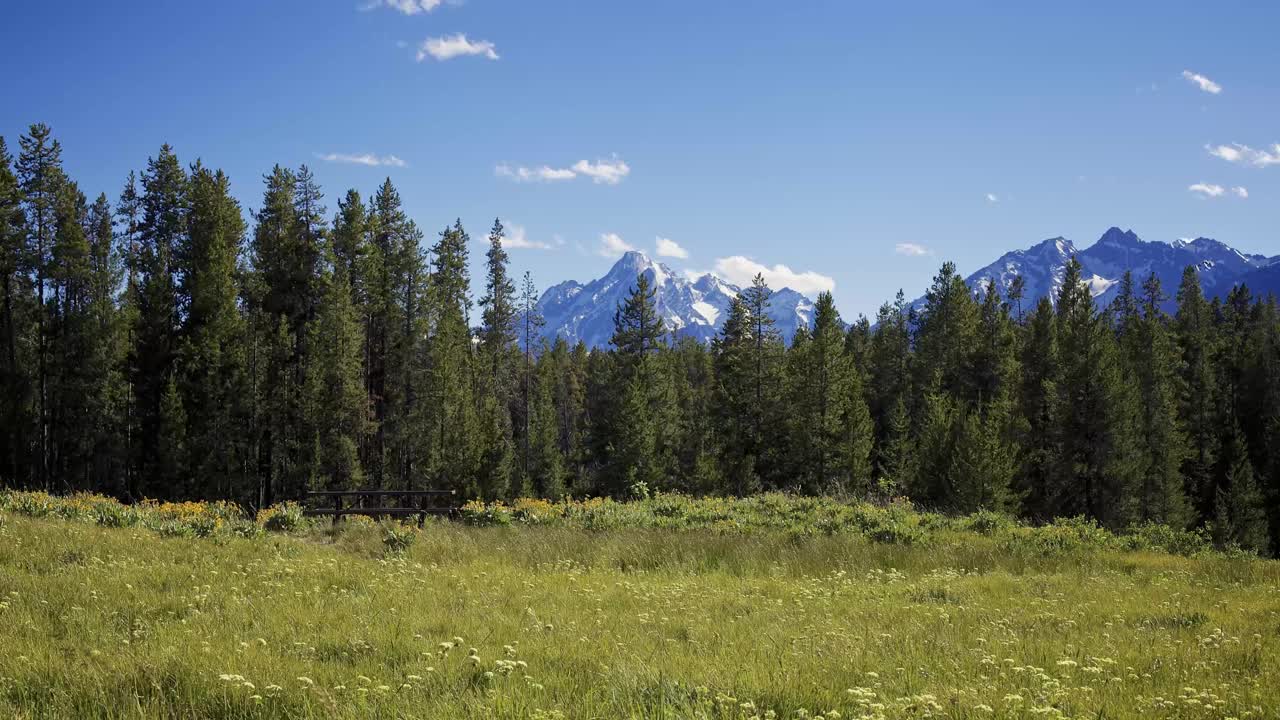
696,307
1104,263
689,307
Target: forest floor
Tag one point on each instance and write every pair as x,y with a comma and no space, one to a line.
458,621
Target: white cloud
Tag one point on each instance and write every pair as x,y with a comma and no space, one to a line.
517,239
1245,155
406,7
740,270
1202,82
1241,192
670,248
992,198
612,245
457,45
912,249
538,174
363,159
1207,189
609,172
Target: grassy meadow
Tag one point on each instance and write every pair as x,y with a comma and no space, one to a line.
771,607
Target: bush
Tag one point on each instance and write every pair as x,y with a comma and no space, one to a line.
986,522
114,515
477,512
397,538
282,517
1154,536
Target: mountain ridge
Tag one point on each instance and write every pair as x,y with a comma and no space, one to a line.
1104,263
690,307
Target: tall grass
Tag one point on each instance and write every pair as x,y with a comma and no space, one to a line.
676,615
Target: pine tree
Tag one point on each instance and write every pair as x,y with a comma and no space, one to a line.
1154,361
107,350
632,436
456,452
546,465
1038,399
170,468
68,323
162,229
128,212
1098,469
831,429
1239,518
984,462
349,243
214,372
895,458
946,335
638,329
531,323
931,480
497,341
734,410
765,366
278,304
338,403
889,377
17,412
40,175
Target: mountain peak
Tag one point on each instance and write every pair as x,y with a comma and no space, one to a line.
690,307
1122,238
1055,246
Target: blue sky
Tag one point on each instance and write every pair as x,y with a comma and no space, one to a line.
834,138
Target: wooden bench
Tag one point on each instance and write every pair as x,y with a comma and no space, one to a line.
420,503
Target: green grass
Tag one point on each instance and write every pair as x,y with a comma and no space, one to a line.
970,618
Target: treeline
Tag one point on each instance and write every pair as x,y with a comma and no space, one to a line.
159,346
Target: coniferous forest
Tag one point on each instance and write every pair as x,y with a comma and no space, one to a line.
164,343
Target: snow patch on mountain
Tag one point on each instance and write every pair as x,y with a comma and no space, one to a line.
693,307
1104,263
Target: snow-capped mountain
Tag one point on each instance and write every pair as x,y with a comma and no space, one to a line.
1105,262
689,307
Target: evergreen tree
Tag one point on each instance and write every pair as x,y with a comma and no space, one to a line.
497,341
546,465
1239,518
766,372
734,382
16,326
1154,361
888,373
40,175
1098,469
162,230
1038,400
632,437
531,323
339,405
946,336
107,348
456,454
984,463
832,428
170,468
71,386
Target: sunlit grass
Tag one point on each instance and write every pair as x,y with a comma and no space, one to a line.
560,621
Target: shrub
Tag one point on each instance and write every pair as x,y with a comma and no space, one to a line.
282,517
1154,536
477,512
986,522
397,538
115,515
